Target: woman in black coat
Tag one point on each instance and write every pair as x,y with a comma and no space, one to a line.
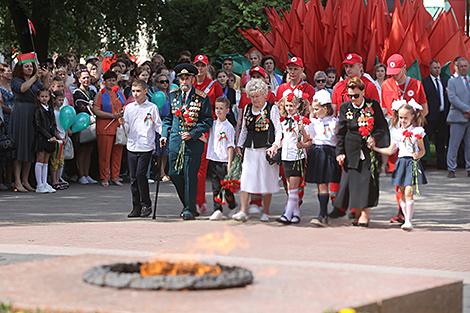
361,123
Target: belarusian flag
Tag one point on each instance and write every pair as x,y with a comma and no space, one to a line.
26,58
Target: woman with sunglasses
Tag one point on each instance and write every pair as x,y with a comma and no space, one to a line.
361,125
320,81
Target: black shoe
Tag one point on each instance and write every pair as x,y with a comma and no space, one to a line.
451,174
135,212
352,215
337,213
188,216
146,211
468,174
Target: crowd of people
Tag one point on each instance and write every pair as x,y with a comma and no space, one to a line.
339,132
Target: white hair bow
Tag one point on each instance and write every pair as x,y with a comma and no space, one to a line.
397,104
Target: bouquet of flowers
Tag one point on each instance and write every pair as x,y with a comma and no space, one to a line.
185,121
366,126
231,181
408,137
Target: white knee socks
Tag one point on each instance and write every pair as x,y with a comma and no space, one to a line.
38,173
409,210
292,207
45,166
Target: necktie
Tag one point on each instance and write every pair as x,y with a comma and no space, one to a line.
438,88
465,80
184,98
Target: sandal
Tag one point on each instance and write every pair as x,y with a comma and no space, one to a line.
283,220
295,219
19,189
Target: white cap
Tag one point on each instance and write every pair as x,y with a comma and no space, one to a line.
322,96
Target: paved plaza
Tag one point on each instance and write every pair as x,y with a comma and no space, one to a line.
48,241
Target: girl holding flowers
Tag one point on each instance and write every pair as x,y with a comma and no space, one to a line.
408,140
294,141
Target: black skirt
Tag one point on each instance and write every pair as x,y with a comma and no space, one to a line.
322,167
294,168
44,145
357,188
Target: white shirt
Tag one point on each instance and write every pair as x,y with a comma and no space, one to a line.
323,130
290,137
406,145
141,122
275,119
60,129
221,137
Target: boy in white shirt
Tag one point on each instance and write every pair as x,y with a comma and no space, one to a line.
142,122
220,154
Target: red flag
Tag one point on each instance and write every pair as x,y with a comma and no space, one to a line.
280,50
455,46
328,21
397,33
257,39
32,30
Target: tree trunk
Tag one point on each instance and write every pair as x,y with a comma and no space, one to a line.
20,21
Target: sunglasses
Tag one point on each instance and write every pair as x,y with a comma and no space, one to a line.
354,96
321,81
164,81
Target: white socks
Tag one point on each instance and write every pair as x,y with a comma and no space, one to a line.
409,210
40,171
292,207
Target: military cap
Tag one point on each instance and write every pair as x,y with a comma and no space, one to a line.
185,69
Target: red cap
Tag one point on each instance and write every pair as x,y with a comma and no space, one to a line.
258,69
296,61
201,58
395,63
352,58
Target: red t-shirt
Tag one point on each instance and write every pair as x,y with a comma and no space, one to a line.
213,92
245,100
340,92
304,87
391,91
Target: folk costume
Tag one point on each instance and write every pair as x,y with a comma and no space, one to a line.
190,112
359,186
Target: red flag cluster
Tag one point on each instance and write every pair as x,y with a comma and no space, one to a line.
323,36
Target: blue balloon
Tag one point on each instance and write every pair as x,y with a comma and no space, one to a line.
159,99
82,121
67,116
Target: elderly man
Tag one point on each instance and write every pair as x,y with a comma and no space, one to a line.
458,90
190,117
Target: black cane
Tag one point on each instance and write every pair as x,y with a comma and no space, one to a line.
156,177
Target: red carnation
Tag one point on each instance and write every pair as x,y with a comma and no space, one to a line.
363,131
290,97
407,133
297,118
305,120
103,91
418,136
186,115
189,120
305,96
115,89
178,113
282,119
218,200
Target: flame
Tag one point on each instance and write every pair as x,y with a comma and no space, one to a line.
160,267
219,243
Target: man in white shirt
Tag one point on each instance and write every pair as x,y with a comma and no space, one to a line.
142,122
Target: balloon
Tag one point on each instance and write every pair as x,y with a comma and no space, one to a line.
67,116
174,86
159,99
82,121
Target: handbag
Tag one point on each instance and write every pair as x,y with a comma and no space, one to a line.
121,136
6,143
68,149
275,159
88,134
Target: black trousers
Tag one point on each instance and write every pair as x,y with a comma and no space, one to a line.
138,163
438,132
217,171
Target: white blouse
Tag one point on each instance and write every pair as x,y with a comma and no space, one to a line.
275,119
290,137
323,130
406,140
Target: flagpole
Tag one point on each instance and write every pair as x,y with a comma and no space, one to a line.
32,40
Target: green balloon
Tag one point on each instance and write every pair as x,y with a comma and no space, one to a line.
67,116
159,99
82,121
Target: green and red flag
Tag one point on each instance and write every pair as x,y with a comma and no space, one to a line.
26,58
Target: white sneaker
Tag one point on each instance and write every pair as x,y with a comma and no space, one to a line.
42,189
407,226
254,209
264,218
240,216
83,181
91,180
151,181
217,216
49,188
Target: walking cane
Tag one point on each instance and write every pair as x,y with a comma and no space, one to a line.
156,177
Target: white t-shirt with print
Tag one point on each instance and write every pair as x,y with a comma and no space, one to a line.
221,137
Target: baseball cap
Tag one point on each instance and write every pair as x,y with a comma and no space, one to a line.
322,96
258,69
352,58
201,58
296,61
395,63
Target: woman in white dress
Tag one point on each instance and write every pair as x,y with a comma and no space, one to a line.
261,136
